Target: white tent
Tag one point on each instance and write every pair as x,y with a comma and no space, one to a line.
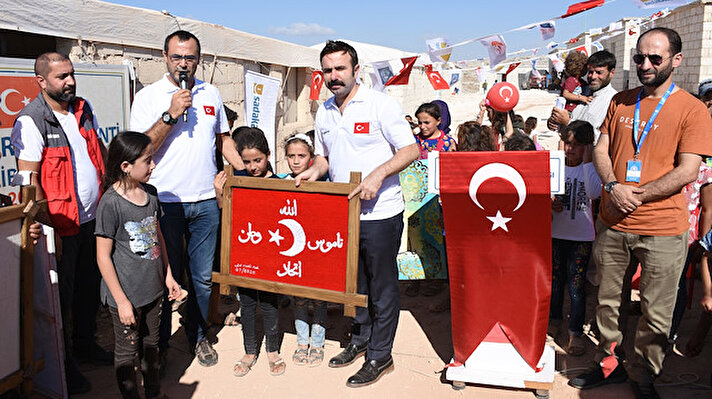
92,20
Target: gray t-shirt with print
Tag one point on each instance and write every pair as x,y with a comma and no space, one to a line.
137,251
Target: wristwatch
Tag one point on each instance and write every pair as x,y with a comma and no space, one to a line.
609,186
168,119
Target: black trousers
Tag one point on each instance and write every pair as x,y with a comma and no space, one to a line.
378,278
78,277
248,318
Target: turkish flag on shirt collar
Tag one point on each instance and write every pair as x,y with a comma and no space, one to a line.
435,78
497,216
317,81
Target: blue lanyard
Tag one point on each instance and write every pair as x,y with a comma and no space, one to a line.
646,129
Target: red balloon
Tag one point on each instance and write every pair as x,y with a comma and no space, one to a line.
503,97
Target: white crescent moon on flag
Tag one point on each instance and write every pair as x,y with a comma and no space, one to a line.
435,76
503,171
300,240
3,102
317,79
503,88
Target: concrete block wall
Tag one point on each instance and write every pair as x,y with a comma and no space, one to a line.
693,22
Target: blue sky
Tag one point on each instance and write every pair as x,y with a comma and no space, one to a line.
400,24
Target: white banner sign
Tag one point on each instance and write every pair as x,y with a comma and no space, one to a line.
496,47
261,95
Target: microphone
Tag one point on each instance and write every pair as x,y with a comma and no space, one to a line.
183,80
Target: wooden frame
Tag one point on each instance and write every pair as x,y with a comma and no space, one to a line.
26,212
349,297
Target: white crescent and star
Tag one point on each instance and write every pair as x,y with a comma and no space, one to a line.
300,240
3,101
317,80
434,76
503,171
511,93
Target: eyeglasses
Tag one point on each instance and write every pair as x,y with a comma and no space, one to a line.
654,58
189,59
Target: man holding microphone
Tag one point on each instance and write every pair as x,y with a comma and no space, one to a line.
185,119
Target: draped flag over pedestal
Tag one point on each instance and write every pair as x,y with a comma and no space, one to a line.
435,78
497,217
316,83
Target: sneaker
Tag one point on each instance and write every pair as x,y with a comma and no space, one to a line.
205,353
594,378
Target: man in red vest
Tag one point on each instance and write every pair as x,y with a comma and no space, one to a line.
55,141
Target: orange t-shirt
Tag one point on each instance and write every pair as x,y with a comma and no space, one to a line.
682,126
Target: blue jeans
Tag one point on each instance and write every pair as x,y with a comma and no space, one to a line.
569,263
197,223
301,322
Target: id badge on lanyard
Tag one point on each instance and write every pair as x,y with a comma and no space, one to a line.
634,167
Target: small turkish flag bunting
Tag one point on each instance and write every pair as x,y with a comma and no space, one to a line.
316,82
361,128
435,78
209,110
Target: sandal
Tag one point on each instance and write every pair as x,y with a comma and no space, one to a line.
316,356
242,368
230,320
277,368
300,356
575,346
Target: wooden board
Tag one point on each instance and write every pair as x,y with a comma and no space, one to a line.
300,241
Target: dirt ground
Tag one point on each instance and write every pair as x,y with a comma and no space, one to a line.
422,346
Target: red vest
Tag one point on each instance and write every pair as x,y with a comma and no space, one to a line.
56,173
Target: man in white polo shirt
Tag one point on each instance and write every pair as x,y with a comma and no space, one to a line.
185,126
363,130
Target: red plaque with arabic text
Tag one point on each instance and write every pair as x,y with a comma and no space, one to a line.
289,237
300,241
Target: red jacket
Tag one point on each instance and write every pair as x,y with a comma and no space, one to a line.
56,173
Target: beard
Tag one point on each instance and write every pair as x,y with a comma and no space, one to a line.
660,77
68,95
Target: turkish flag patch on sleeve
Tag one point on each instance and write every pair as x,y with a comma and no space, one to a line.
209,110
361,128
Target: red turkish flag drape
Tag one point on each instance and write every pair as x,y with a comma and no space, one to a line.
510,69
435,78
499,252
401,78
582,49
316,82
582,6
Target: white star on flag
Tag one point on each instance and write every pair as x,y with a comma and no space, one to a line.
498,222
275,237
25,101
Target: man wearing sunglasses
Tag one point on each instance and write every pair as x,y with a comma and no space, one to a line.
185,119
650,147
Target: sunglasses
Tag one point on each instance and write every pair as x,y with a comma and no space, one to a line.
654,58
189,59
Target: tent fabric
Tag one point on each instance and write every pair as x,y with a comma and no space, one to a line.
98,21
